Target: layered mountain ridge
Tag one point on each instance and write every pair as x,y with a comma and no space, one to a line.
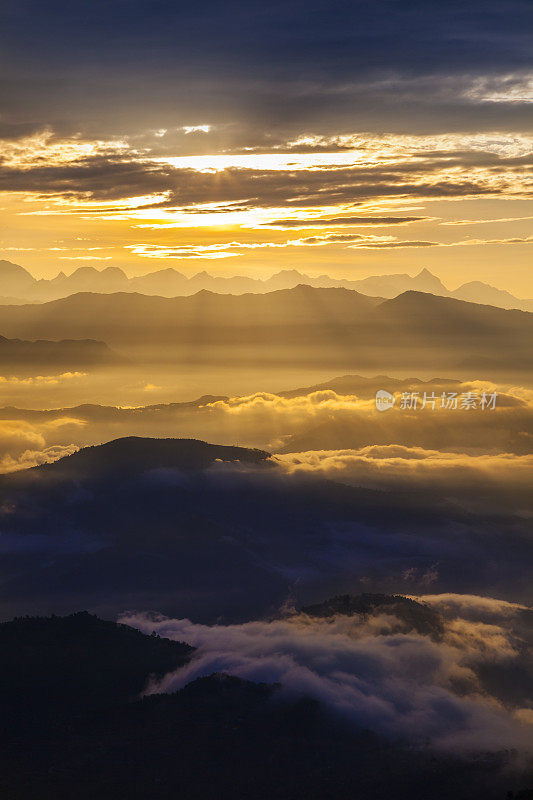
18,286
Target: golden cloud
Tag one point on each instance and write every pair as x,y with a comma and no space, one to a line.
23,444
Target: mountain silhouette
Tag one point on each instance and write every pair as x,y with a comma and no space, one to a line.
414,615
83,661
129,317
424,305
135,454
479,292
226,533
15,280
17,285
20,356
304,325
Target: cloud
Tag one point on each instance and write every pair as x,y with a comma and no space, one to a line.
334,222
325,419
46,148
340,65
24,445
473,607
85,258
230,249
514,240
376,245
34,458
196,129
502,89
483,221
500,480
122,179
322,419
41,380
320,399
372,671
351,241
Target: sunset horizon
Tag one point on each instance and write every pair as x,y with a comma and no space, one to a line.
366,143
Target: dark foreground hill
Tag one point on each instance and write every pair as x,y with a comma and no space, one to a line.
73,725
52,668
210,532
136,454
414,615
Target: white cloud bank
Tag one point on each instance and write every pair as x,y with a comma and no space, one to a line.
374,671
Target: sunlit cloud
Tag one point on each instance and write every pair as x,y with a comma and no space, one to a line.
42,380
319,183
45,149
514,240
196,129
334,222
17,249
351,241
229,249
24,444
372,167
484,221
85,258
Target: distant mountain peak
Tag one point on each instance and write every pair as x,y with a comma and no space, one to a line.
477,285
165,271
84,270
426,281
14,279
288,273
9,266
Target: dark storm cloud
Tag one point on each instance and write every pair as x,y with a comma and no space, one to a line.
414,32
131,64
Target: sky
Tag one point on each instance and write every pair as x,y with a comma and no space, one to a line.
348,138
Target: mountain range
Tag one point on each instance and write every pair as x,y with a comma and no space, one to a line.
17,285
305,325
129,317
